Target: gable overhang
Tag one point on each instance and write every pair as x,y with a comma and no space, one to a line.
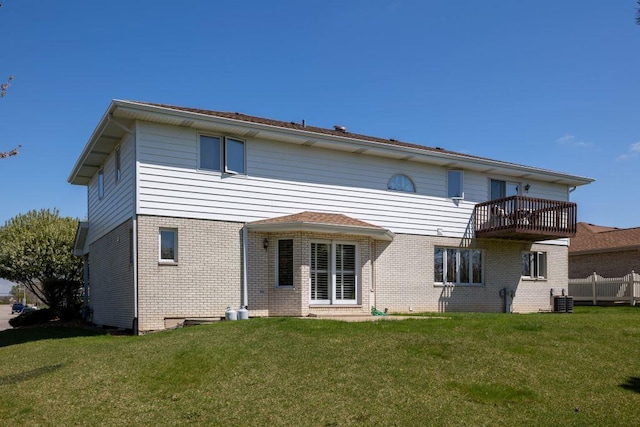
376,233
104,139
123,113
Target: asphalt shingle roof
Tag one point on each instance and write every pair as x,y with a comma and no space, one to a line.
596,238
318,218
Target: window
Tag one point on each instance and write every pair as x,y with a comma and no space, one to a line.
534,265
101,183
210,149
454,185
234,156
458,266
118,169
168,245
218,157
285,263
334,273
400,182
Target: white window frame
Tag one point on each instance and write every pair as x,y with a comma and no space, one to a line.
173,260
333,276
460,192
227,169
538,261
457,282
278,284
101,183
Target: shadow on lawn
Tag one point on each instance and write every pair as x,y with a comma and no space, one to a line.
23,335
24,376
632,384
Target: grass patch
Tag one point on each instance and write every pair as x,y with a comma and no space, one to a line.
467,369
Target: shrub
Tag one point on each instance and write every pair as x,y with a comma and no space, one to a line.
32,318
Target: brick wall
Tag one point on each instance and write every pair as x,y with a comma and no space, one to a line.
396,275
206,279
404,274
111,287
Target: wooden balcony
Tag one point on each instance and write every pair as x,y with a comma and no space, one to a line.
525,218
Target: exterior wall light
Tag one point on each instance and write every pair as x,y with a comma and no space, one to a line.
265,243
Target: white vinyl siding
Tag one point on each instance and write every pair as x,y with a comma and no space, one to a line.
117,204
284,179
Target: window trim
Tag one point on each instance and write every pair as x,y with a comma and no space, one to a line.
535,265
461,188
101,183
277,268
444,282
174,260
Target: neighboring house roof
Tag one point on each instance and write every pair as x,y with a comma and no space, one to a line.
595,238
322,223
120,116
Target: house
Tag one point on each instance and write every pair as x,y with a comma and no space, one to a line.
607,251
191,211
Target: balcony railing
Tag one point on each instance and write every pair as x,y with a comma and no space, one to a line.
525,218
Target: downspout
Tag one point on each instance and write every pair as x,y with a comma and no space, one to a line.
245,254
134,225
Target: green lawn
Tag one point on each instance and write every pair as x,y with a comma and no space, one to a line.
467,369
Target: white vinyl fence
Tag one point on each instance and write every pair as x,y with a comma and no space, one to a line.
598,289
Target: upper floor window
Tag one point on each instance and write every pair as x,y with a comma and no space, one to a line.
118,166
458,266
101,183
221,154
210,149
455,188
534,265
233,155
400,182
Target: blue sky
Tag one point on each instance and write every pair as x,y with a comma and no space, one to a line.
552,84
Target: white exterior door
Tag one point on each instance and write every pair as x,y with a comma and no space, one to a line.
334,273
